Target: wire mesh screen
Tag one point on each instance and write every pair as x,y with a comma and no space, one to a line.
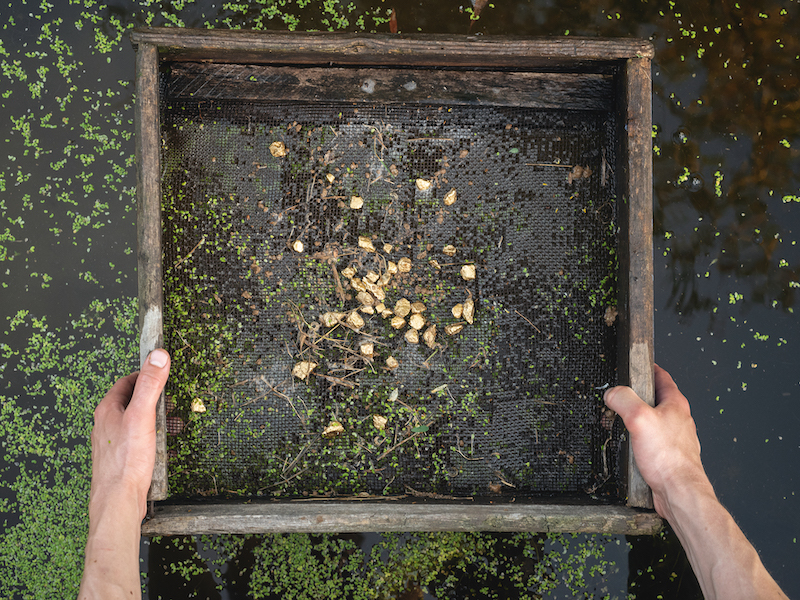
389,299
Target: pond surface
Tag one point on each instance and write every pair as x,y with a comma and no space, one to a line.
727,211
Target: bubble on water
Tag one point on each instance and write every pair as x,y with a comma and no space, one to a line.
368,86
694,183
681,136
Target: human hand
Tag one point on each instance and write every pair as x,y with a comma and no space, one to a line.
124,434
664,440
667,452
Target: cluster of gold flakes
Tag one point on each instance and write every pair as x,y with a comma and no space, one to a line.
277,149
370,292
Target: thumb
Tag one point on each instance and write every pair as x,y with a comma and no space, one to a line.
625,402
149,383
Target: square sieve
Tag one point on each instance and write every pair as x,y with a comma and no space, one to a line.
394,287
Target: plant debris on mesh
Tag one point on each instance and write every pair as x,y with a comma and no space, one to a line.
391,299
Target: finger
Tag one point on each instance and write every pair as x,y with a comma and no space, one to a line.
664,381
667,392
118,396
625,402
149,384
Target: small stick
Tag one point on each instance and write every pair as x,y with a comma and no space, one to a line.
337,380
285,397
285,480
400,443
188,345
502,479
339,288
425,139
528,321
472,448
548,165
435,496
426,363
465,457
298,457
367,497
197,245
256,399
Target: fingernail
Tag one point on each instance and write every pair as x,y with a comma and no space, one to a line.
158,358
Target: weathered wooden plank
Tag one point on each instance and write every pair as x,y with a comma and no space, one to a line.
148,200
418,50
350,517
636,250
576,91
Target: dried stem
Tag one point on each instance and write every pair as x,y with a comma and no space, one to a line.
197,245
434,495
527,320
337,380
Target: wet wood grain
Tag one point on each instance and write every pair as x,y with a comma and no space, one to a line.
148,201
349,517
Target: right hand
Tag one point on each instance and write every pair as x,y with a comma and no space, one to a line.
664,439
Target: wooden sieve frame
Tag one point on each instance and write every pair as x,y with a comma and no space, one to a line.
629,60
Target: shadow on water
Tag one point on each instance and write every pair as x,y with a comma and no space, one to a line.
726,190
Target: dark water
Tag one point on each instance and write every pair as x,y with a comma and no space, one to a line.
725,106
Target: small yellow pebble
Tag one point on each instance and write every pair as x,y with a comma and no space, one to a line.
277,149
468,272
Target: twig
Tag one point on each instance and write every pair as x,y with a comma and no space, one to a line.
464,456
548,165
337,380
499,475
310,189
367,497
337,281
249,402
287,480
188,345
472,448
197,245
298,457
604,454
528,321
435,496
427,139
426,363
400,443
285,397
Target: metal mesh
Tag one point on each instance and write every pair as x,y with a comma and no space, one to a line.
508,405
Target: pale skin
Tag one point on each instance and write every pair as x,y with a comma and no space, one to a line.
667,452
665,446
123,455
